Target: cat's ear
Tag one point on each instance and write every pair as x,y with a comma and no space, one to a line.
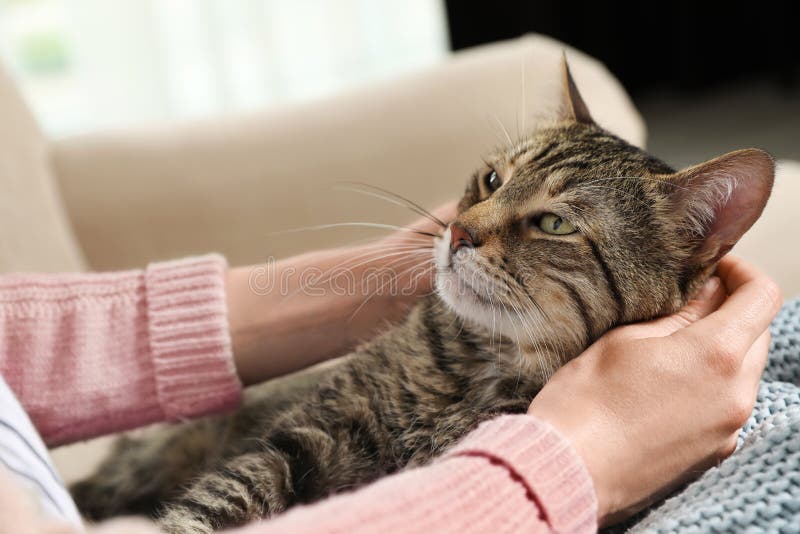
722,198
573,108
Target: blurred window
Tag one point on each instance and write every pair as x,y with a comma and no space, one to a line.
90,64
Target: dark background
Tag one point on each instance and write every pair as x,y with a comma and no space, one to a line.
707,77
677,45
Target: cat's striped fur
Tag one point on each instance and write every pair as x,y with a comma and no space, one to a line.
647,238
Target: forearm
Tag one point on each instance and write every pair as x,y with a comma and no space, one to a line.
95,353
513,474
290,314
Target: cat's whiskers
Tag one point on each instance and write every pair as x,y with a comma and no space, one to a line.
392,197
491,337
538,323
516,334
521,292
414,246
499,335
403,259
524,99
516,290
505,131
438,304
415,277
528,328
460,330
397,251
381,253
519,350
391,280
535,345
357,224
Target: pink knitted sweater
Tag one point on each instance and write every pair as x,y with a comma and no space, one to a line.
90,354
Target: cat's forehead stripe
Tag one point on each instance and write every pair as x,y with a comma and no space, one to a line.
521,149
524,153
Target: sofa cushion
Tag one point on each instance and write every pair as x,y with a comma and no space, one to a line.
34,233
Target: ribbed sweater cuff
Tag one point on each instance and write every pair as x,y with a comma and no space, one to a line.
189,337
545,462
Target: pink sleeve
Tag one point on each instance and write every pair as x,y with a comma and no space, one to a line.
89,354
512,474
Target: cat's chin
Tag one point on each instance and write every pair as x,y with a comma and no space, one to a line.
475,308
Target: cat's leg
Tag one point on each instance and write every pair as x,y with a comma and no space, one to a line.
247,487
292,465
454,423
140,473
296,464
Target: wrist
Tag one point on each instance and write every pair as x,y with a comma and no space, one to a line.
299,311
539,457
591,447
189,340
384,288
242,322
409,263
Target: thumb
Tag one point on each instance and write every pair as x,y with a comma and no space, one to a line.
709,298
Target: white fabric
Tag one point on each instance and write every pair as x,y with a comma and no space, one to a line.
25,458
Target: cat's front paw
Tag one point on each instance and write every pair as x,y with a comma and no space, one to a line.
93,498
179,520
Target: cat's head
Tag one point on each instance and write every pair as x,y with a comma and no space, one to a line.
572,231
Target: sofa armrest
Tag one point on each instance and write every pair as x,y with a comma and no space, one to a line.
226,184
771,243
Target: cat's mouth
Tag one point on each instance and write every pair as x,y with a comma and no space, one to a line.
449,280
470,292
462,284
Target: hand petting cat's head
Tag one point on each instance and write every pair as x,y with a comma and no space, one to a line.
572,231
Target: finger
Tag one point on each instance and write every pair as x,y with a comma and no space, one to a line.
754,362
707,299
735,272
745,314
444,213
752,367
447,212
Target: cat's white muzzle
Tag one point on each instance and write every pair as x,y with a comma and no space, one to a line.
464,284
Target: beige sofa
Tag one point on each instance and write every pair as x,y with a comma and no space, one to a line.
116,200
120,199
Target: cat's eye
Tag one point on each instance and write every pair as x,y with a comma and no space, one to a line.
492,181
550,223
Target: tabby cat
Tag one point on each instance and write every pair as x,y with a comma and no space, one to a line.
560,237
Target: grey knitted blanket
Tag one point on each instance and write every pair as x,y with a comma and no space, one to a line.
757,489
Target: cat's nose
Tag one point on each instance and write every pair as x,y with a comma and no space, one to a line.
460,237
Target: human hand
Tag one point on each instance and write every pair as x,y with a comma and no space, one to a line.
444,213
650,406
303,321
